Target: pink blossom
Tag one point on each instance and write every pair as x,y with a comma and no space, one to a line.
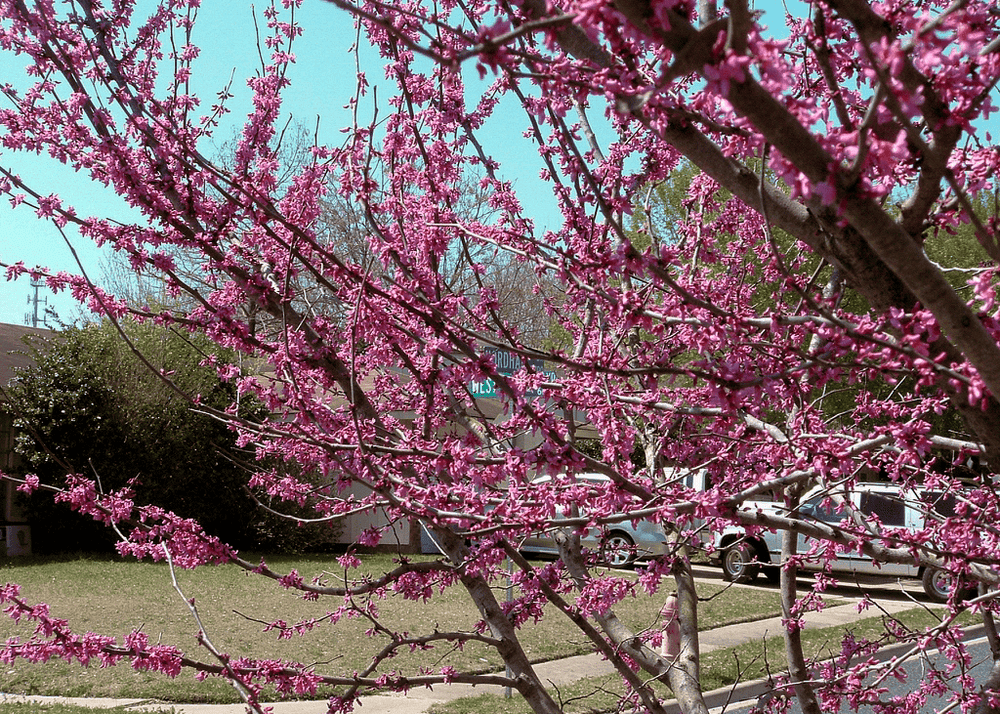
654,322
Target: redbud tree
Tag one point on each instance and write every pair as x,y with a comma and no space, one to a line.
827,149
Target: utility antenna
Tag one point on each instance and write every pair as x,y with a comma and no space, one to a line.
32,318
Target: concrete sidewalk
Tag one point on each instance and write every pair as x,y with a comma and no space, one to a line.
558,672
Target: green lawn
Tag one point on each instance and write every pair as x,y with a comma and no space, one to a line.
9,708
114,596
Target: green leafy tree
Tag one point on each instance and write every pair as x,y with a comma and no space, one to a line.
662,208
91,405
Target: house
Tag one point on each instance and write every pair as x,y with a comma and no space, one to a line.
412,536
15,533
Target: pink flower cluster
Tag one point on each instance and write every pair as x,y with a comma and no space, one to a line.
734,282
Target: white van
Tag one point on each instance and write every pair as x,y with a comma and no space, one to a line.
742,556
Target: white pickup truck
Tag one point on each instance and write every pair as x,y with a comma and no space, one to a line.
742,556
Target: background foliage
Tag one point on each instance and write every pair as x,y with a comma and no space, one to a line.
91,405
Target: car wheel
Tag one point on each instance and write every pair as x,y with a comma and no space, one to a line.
938,585
739,563
617,550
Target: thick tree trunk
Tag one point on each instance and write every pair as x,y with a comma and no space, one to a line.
990,686
798,669
685,675
526,680
884,264
686,688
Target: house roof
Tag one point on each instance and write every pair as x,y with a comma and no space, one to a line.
14,352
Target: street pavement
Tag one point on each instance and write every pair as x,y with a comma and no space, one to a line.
891,596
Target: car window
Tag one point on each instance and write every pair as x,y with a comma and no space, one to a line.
814,508
940,503
890,511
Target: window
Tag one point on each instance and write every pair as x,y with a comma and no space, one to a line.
889,510
939,503
829,513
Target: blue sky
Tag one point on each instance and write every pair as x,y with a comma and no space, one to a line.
322,82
